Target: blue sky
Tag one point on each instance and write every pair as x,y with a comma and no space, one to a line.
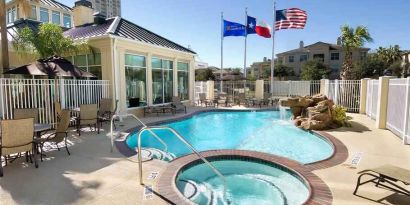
198,23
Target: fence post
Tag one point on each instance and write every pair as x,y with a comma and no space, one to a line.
62,93
290,88
406,111
363,95
324,87
259,89
383,92
210,89
336,97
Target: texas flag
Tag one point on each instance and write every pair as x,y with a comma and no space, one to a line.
261,28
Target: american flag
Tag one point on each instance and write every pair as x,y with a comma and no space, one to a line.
290,18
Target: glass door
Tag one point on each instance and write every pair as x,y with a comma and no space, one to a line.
162,81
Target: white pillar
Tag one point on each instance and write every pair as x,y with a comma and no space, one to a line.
210,89
381,116
259,89
149,79
175,76
406,112
363,95
191,80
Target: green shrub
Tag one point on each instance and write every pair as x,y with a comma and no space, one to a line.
339,116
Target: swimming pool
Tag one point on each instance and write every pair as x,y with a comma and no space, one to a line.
256,131
247,182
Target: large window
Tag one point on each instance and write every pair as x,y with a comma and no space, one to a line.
12,14
291,59
44,15
162,80
67,20
334,56
183,83
303,57
135,74
56,17
90,63
33,13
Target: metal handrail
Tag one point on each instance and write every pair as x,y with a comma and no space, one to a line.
182,139
143,124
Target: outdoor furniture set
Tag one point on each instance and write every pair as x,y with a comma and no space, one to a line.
175,106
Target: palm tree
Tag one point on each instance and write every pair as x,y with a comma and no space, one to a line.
390,55
352,39
3,36
48,41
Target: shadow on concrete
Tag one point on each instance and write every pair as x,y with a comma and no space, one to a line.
355,127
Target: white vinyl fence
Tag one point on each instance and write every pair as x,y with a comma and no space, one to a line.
42,93
345,93
372,98
235,88
294,88
398,107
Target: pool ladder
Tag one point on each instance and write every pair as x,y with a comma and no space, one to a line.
179,137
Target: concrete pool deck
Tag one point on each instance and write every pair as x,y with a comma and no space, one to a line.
94,175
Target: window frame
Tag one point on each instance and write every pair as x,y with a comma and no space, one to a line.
146,78
305,59
187,73
333,58
65,16
42,10
33,15
291,57
163,78
54,14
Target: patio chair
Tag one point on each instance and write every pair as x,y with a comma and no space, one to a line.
105,112
26,113
17,137
88,116
60,134
177,104
57,107
203,100
386,176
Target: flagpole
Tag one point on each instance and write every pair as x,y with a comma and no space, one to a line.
222,49
246,36
272,62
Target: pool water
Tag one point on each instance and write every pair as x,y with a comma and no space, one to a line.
247,183
255,131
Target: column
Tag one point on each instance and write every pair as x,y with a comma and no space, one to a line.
363,95
259,89
381,116
149,79
323,86
175,76
191,81
210,89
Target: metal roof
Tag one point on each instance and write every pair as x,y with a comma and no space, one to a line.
56,4
123,28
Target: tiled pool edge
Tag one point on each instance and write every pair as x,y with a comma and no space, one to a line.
319,191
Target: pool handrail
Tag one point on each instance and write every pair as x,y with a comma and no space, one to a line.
182,139
143,125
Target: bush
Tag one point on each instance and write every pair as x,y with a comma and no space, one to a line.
339,116
204,75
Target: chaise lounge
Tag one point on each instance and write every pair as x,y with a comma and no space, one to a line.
386,176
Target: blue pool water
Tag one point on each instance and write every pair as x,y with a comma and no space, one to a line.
247,182
255,131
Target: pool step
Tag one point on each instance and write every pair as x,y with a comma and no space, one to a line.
154,153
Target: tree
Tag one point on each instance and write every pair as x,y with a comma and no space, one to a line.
352,39
372,67
204,75
48,41
280,71
390,55
314,70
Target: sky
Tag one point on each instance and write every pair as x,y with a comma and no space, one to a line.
197,23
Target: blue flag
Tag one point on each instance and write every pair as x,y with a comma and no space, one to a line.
233,29
251,25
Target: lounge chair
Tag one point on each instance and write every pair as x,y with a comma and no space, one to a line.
177,104
26,113
88,116
386,176
57,108
105,112
16,138
60,134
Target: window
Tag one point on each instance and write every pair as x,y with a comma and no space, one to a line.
33,13
183,83
9,16
12,15
162,80
334,56
291,59
90,63
135,74
320,57
363,55
55,17
44,15
67,20
303,57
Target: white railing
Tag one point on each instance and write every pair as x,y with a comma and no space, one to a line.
398,107
42,93
345,93
293,88
235,88
200,87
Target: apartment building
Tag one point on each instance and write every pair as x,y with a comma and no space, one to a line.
108,8
331,55
48,11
